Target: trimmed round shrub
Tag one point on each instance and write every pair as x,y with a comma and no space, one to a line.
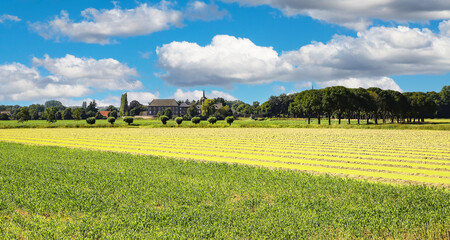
164,119
111,120
128,120
179,120
90,120
229,120
195,120
212,120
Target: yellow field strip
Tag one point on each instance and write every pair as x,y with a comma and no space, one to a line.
319,169
445,174
299,154
410,156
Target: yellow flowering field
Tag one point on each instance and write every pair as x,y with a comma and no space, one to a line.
407,156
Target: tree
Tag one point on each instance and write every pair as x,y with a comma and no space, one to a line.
77,113
128,120
111,120
23,115
134,104
164,119
179,120
167,112
98,115
192,110
208,108
58,115
212,120
54,103
67,114
92,107
195,120
113,114
308,102
90,120
229,120
38,107
124,105
223,112
111,108
50,114
34,115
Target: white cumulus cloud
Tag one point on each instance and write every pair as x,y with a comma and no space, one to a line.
198,10
103,74
359,14
365,60
99,26
142,97
197,94
7,17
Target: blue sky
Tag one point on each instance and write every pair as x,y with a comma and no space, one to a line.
248,50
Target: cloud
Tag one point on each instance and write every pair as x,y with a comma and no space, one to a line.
365,60
198,10
69,77
21,83
197,94
383,83
357,14
145,55
7,17
99,26
142,97
279,89
225,61
102,74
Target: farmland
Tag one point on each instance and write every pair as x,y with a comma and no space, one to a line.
52,192
418,157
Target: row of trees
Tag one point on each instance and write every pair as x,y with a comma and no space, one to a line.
372,103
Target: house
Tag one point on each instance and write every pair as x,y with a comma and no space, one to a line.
6,112
105,114
162,104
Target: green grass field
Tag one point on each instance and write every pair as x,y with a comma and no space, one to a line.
430,124
53,192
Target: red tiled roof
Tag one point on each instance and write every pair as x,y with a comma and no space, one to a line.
104,113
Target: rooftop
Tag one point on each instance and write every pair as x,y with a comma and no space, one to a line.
164,103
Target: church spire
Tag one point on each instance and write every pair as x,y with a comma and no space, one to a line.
204,97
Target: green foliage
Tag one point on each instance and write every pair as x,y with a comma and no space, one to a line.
54,103
50,114
98,115
168,113
179,120
212,120
51,193
23,115
4,116
111,120
164,119
192,111
229,120
67,114
90,120
77,113
208,108
128,120
58,115
113,114
124,105
195,120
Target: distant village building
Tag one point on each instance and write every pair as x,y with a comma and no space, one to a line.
158,105
6,112
105,113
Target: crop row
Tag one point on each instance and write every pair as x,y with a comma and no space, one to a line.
342,152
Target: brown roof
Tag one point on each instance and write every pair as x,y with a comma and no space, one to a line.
104,113
164,103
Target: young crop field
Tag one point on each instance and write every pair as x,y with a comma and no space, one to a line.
408,156
66,193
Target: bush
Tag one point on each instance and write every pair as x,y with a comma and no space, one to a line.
212,120
229,120
90,120
164,119
111,120
179,120
195,120
128,120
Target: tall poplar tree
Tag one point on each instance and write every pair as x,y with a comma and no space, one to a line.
124,105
